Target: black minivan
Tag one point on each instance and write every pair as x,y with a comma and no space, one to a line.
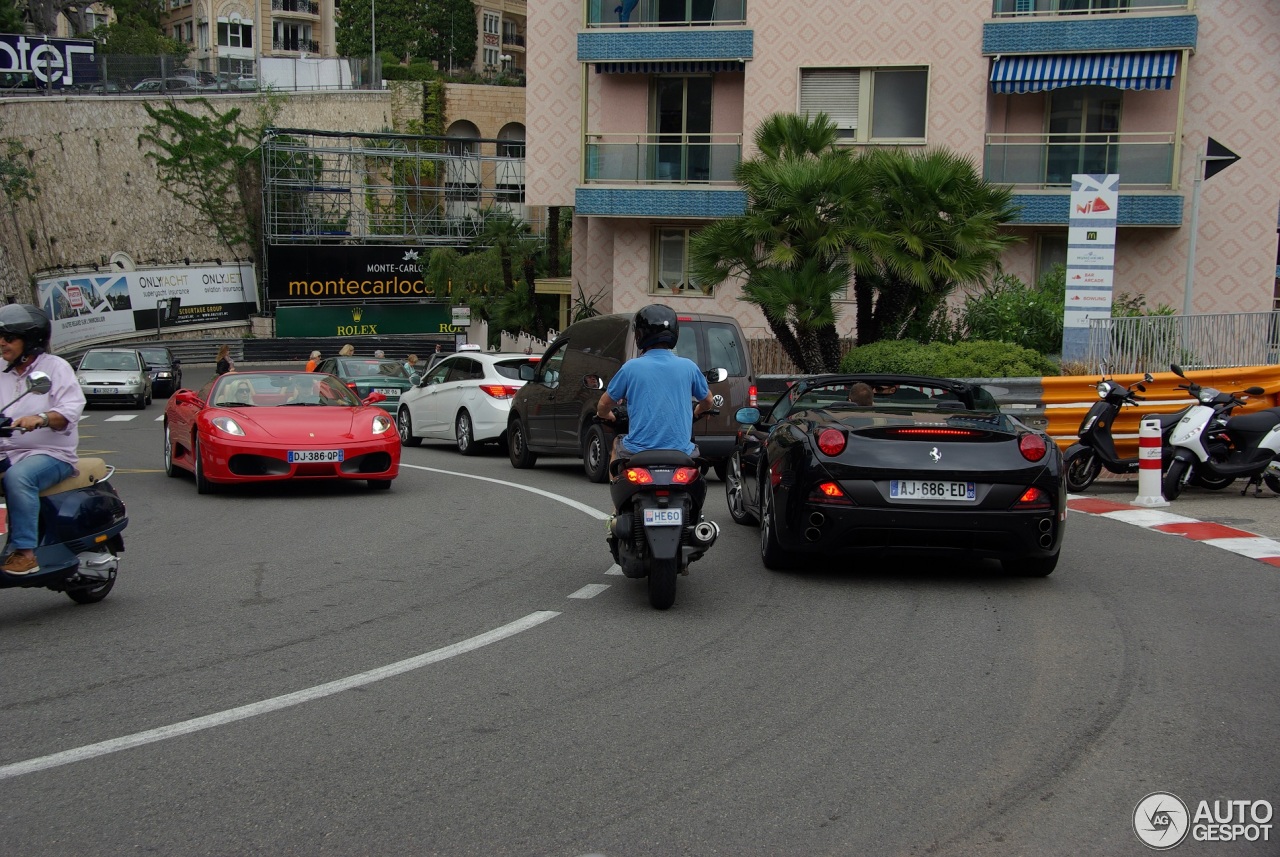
551,414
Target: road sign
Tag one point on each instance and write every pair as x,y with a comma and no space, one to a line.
1217,158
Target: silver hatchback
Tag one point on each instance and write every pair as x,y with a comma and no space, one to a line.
114,375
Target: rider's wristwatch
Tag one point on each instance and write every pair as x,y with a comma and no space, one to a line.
44,419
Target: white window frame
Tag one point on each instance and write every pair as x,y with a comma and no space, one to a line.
690,289
848,96
492,23
490,57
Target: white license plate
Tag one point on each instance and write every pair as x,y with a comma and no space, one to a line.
388,392
663,517
936,490
308,456
105,391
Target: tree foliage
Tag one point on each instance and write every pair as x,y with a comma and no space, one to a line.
978,359
451,29
11,18
1009,310
134,38
401,28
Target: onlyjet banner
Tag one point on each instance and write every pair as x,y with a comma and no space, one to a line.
92,307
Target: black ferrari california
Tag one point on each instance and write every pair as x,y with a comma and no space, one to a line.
843,465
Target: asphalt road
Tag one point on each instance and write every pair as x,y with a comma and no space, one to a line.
895,707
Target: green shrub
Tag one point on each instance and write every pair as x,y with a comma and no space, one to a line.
982,359
1008,310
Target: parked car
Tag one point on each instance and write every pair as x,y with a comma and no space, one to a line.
466,398
365,375
552,413
167,84
260,426
109,375
931,466
164,369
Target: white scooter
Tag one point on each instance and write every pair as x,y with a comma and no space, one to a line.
1219,447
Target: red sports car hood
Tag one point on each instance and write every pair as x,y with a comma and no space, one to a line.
304,422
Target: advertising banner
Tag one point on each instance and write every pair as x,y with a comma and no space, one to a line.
95,306
365,320
327,272
39,62
1091,251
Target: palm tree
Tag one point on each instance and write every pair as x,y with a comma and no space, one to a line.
790,248
930,223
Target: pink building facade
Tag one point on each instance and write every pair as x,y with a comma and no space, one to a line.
637,124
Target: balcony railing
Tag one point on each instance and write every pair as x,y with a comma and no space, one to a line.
513,40
302,7
296,45
1013,8
662,158
1049,160
664,13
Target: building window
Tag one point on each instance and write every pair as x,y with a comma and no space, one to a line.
671,264
187,31
491,21
491,57
869,105
202,32
235,34
292,37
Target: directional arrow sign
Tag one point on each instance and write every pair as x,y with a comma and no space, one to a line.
1217,158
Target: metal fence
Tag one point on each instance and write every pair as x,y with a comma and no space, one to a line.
1208,341
169,75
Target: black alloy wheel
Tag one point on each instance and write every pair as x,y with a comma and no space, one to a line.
596,454
203,485
518,447
775,557
734,493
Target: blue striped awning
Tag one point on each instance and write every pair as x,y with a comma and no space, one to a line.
1150,70
670,67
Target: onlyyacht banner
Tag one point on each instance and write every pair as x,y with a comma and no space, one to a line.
93,306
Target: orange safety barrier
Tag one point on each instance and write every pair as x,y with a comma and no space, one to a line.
1067,399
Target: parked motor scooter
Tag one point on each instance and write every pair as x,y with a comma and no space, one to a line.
1096,448
81,521
658,530
1218,446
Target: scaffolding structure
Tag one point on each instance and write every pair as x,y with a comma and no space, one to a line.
323,187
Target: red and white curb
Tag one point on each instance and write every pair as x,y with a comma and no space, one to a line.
1219,535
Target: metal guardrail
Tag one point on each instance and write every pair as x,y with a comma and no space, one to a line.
1203,341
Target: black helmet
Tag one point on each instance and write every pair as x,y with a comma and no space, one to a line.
28,322
656,327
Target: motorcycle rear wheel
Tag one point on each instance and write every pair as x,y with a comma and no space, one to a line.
91,595
662,583
1082,467
1273,482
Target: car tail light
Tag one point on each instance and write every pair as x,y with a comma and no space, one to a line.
499,391
752,393
685,475
831,441
351,385
829,492
638,476
1032,447
1033,498
927,433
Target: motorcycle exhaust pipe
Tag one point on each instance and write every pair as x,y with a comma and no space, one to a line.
621,526
705,533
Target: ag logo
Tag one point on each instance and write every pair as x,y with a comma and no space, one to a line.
1161,820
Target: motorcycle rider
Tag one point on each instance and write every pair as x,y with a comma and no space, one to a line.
35,459
657,387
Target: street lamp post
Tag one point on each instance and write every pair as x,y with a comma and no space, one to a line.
373,42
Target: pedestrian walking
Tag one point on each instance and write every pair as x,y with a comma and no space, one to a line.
225,363
313,362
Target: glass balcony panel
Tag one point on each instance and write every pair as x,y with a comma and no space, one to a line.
665,13
1049,160
662,158
1012,8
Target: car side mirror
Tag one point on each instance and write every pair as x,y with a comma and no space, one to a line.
186,397
716,376
1146,376
374,397
1176,369
415,379
39,383
1141,388
593,382
747,416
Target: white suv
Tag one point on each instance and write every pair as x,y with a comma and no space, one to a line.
464,398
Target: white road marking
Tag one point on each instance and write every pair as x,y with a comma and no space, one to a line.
581,507
122,418
614,569
1257,547
591,590
1147,517
266,706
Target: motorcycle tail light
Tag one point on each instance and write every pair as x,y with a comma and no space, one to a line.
685,475
638,476
831,493
1032,447
1033,498
752,394
831,441
499,391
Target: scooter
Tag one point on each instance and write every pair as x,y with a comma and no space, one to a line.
1096,448
1219,446
658,530
81,521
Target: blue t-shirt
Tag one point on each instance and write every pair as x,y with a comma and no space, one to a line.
659,387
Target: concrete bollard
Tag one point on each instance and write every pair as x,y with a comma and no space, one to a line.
1150,493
